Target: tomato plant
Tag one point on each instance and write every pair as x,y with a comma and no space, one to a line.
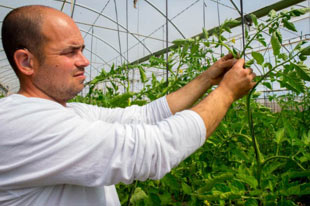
256,156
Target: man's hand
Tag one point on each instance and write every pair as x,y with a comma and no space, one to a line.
186,96
216,72
238,81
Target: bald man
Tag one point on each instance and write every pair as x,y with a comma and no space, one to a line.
58,153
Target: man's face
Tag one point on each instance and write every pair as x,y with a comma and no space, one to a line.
61,74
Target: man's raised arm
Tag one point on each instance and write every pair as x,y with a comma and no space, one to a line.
235,84
186,96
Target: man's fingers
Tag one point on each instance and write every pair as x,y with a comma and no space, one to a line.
249,70
227,56
239,63
228,64
253,74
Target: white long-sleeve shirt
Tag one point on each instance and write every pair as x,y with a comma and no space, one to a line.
56,155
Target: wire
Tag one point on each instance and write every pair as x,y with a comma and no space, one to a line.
242,24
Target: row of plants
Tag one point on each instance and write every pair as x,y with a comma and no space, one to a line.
256,156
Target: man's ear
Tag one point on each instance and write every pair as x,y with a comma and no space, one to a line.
24,61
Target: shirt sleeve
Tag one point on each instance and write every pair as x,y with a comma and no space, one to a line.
149,113
53,146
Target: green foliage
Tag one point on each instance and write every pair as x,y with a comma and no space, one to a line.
256,156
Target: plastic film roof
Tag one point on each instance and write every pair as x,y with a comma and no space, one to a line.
116,32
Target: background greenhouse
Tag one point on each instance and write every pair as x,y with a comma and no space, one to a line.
141,50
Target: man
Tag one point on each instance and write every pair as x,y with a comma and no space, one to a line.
54,153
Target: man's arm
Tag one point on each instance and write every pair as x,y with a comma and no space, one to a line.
235,84
186,96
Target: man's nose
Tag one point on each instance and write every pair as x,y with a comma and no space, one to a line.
82,60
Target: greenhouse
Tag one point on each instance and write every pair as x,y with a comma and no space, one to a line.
201,102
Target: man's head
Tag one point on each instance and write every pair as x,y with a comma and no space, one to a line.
21,29
45,51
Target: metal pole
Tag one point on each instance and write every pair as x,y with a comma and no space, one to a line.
219,22
242,24
91,53
204,13
167,38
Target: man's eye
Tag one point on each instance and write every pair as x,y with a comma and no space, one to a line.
69,52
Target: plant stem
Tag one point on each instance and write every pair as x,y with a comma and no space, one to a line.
259,31
250,120
132,191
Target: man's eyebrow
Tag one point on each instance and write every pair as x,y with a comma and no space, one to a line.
74,47
77,46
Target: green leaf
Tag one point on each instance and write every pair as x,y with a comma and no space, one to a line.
305,51
272,13
142,74
250,180
179,41
258,57
249,63
153,199
187,189
297,174
209,183
251,202
295,85
138,195
298,12
289,25
279,35
262,41
254,19
276,46
303,71
267,84
171,182
306,138
293,190
302,57
205,33
279,136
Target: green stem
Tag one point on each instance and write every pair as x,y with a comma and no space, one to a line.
245,136
258,32
132,191
251,124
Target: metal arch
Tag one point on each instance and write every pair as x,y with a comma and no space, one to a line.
72,8
4,66
149,36
235,8
85,7
7,72
106,44
10,81
118,34
111,29
166,17
97,56
97,17
63,5
14,87
6,7
8,75
105,62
